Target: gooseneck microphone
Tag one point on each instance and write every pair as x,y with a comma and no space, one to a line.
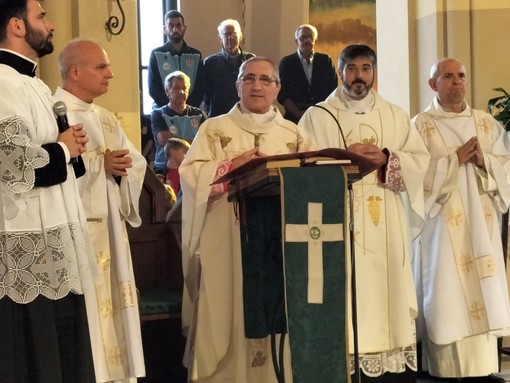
60,110
337,124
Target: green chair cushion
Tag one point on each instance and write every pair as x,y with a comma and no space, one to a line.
160,301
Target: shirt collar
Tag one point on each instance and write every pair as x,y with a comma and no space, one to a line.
227,56
17,61
173,51
302,58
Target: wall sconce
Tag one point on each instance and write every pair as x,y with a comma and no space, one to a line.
113,22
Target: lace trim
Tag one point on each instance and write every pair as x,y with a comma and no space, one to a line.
394,361
18,160
19,157
40,263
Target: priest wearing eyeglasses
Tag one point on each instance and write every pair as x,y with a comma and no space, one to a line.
217,348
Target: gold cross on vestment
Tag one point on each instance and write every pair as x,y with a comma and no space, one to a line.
466,263
427,129
477,311
482,125
127,294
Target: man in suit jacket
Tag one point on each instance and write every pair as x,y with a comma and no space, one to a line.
307,77
221,70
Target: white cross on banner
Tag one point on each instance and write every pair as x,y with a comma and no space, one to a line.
315,233
313,224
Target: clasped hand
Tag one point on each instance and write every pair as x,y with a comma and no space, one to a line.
75,139
471,152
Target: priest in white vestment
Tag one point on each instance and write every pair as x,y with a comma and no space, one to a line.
110,192
460,276
388,213
46,261
217,349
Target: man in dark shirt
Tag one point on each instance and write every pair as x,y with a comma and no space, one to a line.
308,77
221,69
175,119
174,55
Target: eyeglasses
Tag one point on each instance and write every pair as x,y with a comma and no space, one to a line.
263,79
305,37
229,34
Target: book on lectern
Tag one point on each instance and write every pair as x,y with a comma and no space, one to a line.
328,156
260,175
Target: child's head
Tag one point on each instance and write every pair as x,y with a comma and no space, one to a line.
176,149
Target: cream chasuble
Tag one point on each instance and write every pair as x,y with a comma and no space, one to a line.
217,349
461,273
112,311
385,222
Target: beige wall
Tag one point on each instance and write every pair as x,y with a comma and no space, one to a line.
268,25
472,31
86,19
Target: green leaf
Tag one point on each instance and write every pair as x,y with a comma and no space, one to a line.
501,90
499,107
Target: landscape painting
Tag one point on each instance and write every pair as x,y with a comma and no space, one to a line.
343,22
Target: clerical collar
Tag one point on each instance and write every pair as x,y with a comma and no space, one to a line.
464,106
362,106
16,61
260,118
437,110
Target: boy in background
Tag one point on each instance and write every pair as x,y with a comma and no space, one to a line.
175,150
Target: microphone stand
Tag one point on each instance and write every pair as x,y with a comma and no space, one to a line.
353,285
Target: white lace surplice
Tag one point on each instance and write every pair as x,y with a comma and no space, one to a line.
44,248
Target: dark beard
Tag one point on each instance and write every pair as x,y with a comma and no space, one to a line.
40,44
176,38
352,90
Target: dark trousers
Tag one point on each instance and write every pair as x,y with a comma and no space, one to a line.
45,341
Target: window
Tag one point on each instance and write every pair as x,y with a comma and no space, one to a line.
150,33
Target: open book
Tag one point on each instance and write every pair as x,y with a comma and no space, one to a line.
329,156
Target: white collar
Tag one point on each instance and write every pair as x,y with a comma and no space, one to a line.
362,106
259,117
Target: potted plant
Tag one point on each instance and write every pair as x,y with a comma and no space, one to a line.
499,107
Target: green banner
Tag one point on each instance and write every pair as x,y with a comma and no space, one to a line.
313,232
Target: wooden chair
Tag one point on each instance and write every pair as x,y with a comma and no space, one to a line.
156,253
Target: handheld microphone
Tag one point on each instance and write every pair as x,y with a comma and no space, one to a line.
60,110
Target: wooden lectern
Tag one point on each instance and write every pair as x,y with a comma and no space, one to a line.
291,212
